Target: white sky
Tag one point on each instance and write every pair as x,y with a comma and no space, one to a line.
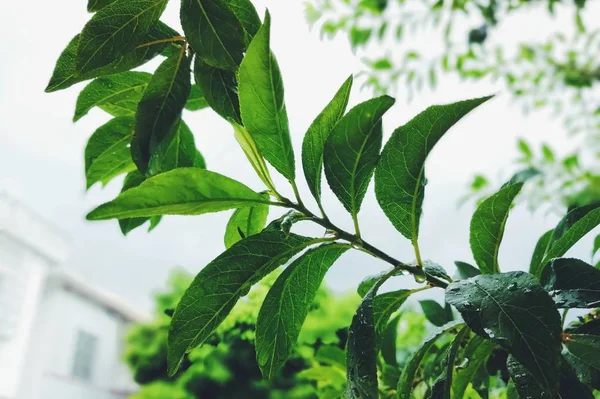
41,153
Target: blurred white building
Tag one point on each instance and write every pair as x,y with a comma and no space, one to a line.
60,337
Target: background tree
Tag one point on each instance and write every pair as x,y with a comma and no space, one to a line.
559,74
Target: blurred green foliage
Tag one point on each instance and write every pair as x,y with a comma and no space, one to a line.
559,73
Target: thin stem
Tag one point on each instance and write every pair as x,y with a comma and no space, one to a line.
365,246
169,40
297,193
415,244
356,227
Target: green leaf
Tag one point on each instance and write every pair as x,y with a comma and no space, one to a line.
433,269
525,149
262,103
466,270
286,306
218,287
177,150
246,13
115,31
134,179
388,343
572,283
246,222
572,228
539,252
107,151
569,384
148,47
113,89
214,32
368,282
596,245
478,351
196,101
434,312
400,177
500,307
160,107
332,355
384,305
352,151
585,348
408,376
313,144
487,227
97,5
219,88
442,388
182,191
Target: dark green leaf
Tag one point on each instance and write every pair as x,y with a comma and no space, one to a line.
148,47
408,376
287,304
572,283
177,150
313,144
466,270
433,269
384,305
107,151
219,88
96,5
478,351
442,388
160,107
246,222
583,353
515,312
332,355
218,287
182,191
368,282
569,384
352,151
214,32
262,103
133,179
400,176
115,31
487,227
363,341
524,382
246,13
196,101
112,90
388,343
576,224
539,252
434,312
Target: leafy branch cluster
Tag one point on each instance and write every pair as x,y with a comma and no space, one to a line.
236,74
560,73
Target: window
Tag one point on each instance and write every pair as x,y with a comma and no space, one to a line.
85,354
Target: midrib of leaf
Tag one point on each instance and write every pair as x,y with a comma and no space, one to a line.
244,286
116,168
166,97
198,202
354,171
277,119
111,148
516,328
212,27
135,17
413,209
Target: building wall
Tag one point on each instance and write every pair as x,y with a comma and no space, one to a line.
22,273
63,313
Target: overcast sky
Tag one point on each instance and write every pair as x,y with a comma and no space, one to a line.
41,153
